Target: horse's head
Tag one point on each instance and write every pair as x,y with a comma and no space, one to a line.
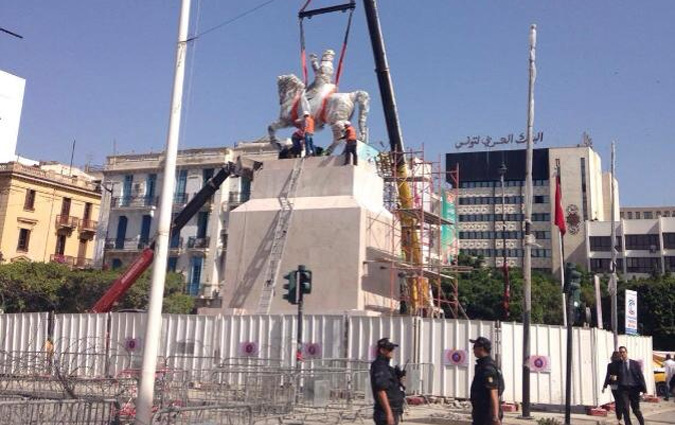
288,85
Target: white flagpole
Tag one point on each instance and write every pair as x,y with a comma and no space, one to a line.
562,276
154,325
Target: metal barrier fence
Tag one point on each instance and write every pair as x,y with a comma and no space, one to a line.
220,415
59,412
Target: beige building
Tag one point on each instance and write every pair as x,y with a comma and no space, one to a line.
646,213
46,215
643,246
491,222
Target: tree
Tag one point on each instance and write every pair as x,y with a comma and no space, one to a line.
28,286
481,294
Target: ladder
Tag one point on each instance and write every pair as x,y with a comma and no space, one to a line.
279,240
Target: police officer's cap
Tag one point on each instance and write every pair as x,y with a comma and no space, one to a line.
386,344
481,341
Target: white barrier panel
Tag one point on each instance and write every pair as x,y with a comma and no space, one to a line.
187,342
364,332
23,331
439,335
80,345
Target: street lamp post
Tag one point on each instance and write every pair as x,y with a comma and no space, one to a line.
507,285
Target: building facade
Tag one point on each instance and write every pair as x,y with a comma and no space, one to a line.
491,216
128,222
643,246
646,213
47,216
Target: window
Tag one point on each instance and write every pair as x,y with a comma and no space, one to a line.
60,245
29,201
121,232
116,263
666,213
637,215
669,240
202,224
603,244
24,240
630,215
643,242
171,264
146,223
87,211
643,265
669,262
207,173
150,185
541,199
648,215
584,196
65,206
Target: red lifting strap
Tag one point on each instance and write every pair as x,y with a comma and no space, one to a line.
303,57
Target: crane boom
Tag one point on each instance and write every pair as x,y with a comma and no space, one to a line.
409,224
122,284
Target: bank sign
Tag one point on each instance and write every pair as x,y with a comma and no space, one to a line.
631,312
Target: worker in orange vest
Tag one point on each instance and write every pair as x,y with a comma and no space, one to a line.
350,136
308,128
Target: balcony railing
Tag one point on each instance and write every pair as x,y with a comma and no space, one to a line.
134,201
88,226
66,222
198,243
70,261
67,260
180,199
130,244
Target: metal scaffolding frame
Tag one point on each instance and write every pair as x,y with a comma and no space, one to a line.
421,285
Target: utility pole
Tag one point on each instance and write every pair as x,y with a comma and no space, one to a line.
507,284
613,285
154,315
527,262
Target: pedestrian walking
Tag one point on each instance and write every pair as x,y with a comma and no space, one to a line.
612,380
631,384
487,385
669,366
386,385
350,136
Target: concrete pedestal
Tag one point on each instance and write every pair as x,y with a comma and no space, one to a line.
339,230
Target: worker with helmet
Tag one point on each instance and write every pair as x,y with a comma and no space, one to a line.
349,135
307,126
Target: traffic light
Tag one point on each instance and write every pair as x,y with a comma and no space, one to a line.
305,280
291,287
572,279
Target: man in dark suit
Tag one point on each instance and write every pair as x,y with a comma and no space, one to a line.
631,384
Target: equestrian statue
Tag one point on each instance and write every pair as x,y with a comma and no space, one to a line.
321,100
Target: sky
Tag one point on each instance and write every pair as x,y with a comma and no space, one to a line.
101,73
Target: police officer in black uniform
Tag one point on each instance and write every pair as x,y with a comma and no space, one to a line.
386,383
486,409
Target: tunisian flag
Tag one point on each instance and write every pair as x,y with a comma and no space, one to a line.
559,215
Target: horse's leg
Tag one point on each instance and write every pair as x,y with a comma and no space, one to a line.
337,134
363,100
271,130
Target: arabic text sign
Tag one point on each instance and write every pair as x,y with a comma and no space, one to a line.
631,312
490,142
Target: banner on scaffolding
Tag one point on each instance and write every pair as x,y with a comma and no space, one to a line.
449,239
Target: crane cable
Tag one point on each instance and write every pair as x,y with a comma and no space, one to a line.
343,51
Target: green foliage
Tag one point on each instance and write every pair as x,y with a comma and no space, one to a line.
27,286
481,293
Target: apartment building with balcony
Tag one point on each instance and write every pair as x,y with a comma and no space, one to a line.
128,221
47,214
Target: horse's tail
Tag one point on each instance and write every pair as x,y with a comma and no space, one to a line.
362,99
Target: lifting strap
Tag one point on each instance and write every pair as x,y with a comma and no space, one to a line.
303,58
